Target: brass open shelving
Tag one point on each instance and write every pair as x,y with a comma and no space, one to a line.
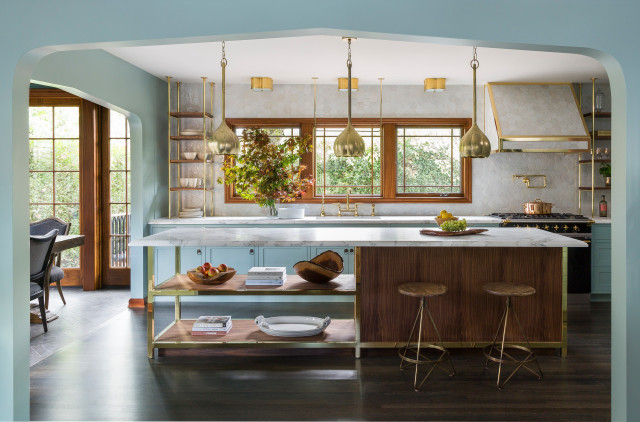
595,136
180,167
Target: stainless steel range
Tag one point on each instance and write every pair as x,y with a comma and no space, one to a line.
570,225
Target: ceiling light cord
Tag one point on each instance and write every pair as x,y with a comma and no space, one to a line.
349,81
223,64
475,64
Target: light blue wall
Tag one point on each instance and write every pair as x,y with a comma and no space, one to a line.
605,30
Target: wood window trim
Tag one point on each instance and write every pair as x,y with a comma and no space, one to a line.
87,275
388,165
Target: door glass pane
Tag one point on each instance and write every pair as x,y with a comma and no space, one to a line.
41,187
67,152
118,218
117,125
117,186
70,213
118,154
41,154
67,122
41,122
40,212
67,186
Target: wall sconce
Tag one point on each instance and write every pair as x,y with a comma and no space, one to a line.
343,83
261,83
435,84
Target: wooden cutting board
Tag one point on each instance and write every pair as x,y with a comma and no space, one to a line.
444,233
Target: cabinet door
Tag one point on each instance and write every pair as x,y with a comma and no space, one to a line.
190,258
346,253
272,256
241,259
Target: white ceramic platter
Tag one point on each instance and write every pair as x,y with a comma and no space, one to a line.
292,326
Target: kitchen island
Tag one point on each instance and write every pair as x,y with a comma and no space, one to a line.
388,256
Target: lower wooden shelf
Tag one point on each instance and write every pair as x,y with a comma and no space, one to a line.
245,333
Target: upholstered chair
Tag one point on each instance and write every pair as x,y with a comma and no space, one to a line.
40,260
56,274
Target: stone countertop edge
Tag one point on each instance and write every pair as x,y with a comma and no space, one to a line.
602,220
259,220
352,236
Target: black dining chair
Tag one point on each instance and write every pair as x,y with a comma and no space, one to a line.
56,274
40,255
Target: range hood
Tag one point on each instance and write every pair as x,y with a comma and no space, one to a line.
534,117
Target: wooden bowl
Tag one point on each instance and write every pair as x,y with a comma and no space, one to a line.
439,220
321,269
219,278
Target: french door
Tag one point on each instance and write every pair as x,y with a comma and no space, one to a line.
116,198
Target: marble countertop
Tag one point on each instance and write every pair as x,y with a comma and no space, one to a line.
352,236
602,220
331,220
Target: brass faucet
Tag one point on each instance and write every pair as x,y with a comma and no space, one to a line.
348,209
526,178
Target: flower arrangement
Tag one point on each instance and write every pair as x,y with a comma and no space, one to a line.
268,172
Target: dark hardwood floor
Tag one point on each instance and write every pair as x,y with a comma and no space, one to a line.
106,376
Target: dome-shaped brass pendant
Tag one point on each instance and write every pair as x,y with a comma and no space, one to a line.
475,144
349,143
224,141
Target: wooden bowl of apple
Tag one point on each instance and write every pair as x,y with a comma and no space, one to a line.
208,274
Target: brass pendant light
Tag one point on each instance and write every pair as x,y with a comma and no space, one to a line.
224,141
474,143
349,143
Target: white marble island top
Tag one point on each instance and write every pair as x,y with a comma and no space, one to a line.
316,220
353,236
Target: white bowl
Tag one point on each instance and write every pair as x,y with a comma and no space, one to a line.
184,182
193,182
291,212
203,156
189,155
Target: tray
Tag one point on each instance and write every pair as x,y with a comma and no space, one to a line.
292,326
444,233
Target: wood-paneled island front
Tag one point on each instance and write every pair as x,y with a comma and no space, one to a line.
388,256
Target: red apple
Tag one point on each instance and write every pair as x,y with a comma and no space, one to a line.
223,268
200,270
212,272
206,266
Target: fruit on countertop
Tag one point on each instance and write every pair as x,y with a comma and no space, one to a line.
454,225
223,267
445,214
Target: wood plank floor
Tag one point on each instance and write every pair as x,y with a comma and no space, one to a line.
106,376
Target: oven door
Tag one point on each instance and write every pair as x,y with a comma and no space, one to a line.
579,268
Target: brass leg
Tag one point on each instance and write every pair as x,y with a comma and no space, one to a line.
493,343
406,348
531,354
415,377
445,352
504,333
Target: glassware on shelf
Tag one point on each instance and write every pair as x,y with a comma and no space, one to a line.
606,154
599,100
603,207
598,153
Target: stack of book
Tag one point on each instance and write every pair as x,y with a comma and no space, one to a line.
211,326
266,276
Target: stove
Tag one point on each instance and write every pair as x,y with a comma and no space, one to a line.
572,225
565,224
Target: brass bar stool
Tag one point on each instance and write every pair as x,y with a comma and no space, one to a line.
509,290
423,290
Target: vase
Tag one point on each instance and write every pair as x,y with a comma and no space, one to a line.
607,181
273,211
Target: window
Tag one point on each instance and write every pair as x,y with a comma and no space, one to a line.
335,175
412,160
428,160
54,169
277,134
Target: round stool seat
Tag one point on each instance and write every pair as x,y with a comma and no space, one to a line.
422,289
508,289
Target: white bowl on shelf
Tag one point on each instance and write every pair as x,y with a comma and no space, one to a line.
191,132
193,182
184,182
203,156
189,155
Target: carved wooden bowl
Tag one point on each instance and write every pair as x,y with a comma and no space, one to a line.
321,269
219,278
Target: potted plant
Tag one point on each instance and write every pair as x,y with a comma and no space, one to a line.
605,171
268,172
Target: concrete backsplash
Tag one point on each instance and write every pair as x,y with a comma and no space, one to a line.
493,186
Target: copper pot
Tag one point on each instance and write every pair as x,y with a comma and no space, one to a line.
537,207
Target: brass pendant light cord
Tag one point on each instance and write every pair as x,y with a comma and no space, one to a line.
475,64
223,63
349,82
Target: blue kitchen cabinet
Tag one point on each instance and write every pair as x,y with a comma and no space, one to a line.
347,254
165,258
240,259
282,256
601,262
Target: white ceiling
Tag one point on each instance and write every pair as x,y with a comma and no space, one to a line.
296,60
